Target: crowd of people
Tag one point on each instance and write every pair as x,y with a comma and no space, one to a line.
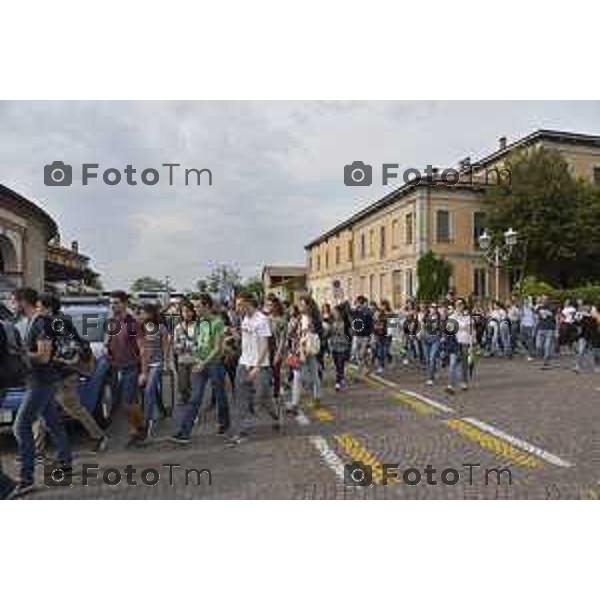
258,356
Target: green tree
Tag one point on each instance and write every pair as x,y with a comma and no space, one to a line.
149,284
253,285
433,277
556,217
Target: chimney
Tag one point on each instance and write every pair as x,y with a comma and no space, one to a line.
502,143
75,246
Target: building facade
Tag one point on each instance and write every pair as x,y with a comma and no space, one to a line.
30,250
375,252
286,282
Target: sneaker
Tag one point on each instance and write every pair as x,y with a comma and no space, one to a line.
101,445
21,489
338,387
449,389
236,440
180,438
529,358
221,430
429,382
379,371
464,386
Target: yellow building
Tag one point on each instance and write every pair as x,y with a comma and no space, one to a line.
375,251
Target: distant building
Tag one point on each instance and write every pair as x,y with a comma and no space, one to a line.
375,251
286,282
30,250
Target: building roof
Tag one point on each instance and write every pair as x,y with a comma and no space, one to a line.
563,137
283,271
22,205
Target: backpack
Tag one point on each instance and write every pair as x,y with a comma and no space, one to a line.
14,366
312,344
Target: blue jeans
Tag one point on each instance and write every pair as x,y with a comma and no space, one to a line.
381,349
431,347
545,343
458,362
151,392
125,385
526,335
39,401
215,373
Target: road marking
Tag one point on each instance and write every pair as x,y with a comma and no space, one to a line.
302,419
323,414
384,381
358,452
331,459
492,443
522,444
433,403
420,407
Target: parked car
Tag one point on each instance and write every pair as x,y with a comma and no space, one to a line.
89,318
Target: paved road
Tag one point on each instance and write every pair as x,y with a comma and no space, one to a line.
540,425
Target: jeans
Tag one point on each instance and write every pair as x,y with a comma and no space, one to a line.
339,360
545,343
458,360
431,347
307,374
526,335
215,373
506,338
381,350
125,385
151,392
248,389
39,401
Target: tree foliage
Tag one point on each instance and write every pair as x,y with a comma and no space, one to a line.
433,277
556,216
148,284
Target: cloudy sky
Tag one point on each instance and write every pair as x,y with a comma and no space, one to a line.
277,170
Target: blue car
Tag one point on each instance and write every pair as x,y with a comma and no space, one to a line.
94,390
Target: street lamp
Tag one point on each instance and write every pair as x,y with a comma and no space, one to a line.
498,253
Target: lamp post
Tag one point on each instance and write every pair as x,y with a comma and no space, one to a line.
496,253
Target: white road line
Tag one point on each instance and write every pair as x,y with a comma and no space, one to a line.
332,460
302,419
429,401
384,381
518,443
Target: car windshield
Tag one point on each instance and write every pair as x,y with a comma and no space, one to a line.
89,321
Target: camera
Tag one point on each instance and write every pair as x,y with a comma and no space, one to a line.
358,474
358,173
58,475
58,174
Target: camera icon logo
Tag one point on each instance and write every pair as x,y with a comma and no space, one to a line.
358,474
358,173
57,475
58,174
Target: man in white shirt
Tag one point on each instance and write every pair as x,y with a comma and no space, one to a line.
252,377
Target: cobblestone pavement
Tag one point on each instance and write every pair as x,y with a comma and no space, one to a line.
541,425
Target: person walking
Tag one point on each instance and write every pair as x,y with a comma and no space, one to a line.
208,367
40,398
183,348
546,329
339,345
123,352
252,378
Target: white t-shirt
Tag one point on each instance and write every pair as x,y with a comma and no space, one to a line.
569,314
253,328
463,335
